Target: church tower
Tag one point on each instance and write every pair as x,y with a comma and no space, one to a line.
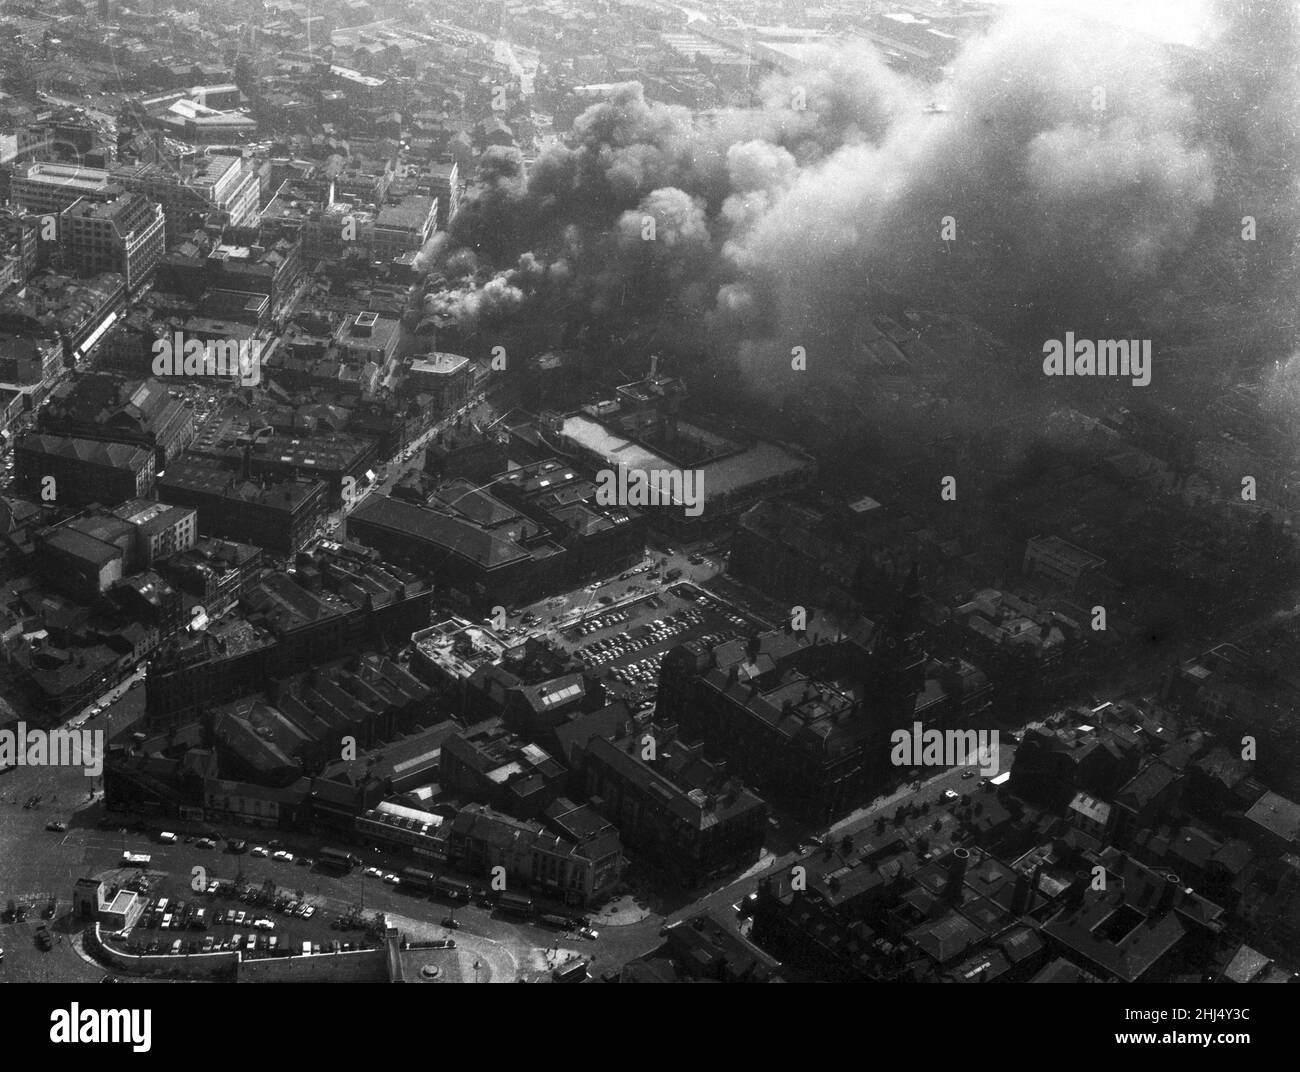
899,657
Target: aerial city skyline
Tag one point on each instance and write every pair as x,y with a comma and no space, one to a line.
621,491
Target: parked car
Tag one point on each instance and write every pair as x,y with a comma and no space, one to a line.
280,854
258,850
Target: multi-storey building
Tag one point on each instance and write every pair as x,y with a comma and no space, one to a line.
806,723
18,244
480,839
51,188
83,471
160,530
1073,569
446,189
446,378
120,410
125,235
404,227
683,812
280,517
191,192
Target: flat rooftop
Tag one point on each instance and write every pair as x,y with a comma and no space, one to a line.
759,462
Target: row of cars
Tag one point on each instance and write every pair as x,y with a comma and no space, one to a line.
270,853
162,913
604,621
642,674
251,943
652,634
718,607
249,895
611,647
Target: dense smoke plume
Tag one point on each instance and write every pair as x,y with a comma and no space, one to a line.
1096,182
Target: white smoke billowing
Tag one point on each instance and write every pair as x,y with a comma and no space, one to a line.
1093,182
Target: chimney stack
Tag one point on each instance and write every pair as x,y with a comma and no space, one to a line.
1020,896
1168,891
956,875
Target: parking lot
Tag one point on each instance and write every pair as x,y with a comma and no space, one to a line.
257,918
626,643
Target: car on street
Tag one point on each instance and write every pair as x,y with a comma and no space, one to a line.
281,854
950,794
373,872
451,923
588,933
257,850
205,843
967,774
392,879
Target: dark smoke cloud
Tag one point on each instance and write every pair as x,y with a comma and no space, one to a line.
783,225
